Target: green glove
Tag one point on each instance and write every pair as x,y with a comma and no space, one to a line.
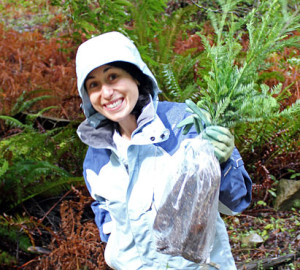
222,140
198,118
220,137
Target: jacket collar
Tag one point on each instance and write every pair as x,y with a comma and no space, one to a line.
150,130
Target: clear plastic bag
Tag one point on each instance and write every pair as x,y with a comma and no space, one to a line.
185,221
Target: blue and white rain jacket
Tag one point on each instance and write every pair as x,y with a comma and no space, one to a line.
127,196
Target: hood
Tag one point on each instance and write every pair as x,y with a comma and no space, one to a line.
101,50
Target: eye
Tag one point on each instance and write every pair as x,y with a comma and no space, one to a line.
112,77
92,85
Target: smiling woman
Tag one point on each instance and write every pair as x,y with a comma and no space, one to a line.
114,93
133,138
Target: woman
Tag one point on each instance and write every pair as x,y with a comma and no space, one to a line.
132,138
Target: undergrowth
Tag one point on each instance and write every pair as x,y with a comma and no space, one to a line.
35,163
77,245
32,63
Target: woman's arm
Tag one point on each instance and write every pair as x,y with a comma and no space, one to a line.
236,185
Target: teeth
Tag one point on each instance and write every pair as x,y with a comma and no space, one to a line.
114,105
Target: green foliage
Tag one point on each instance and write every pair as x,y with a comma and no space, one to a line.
34,167
17,232
10,229
94,16
34,164
26,100
174,72
144,15
230,85
154,37
6,258
232,95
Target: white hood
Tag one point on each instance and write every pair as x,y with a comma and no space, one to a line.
101,50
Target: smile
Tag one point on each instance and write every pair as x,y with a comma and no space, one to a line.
114,104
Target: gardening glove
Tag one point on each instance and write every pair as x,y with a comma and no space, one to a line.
199,118
222,140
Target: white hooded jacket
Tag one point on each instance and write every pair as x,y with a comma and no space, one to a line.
127,196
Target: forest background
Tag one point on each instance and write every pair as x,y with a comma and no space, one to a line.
196,49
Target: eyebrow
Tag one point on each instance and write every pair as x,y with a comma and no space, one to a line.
92,77
106,69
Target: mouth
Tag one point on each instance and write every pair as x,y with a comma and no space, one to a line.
114,104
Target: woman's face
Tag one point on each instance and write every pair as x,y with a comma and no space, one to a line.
112,92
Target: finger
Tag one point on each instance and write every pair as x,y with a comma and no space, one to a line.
197,111
220,129
215,134
187,128
186,121
189,110
217,137
197,126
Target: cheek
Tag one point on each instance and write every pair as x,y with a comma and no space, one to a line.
135,94
93,97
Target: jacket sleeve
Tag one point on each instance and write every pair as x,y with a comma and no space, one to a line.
236,185
102,216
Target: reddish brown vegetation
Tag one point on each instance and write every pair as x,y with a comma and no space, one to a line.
287,73
77,245
30,62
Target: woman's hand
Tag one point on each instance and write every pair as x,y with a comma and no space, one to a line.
222,140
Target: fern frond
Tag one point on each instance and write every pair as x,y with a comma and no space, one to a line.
28,104
13,122
221,108
171,82
52,188
32,117
4,167
291,111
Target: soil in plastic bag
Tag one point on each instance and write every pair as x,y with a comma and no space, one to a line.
185,222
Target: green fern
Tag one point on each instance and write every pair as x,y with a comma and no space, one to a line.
13,122
173,72
4,167
26,100
34,164
94,17
144,14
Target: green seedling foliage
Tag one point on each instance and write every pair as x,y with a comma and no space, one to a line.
232,95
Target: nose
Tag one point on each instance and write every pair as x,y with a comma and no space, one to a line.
107,91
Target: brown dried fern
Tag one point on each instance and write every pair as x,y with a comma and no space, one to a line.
28,62
79,245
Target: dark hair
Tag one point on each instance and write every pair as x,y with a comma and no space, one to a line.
145,84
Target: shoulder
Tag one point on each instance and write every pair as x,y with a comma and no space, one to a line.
167,107
171,112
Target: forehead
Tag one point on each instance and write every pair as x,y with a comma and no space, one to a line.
101,69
